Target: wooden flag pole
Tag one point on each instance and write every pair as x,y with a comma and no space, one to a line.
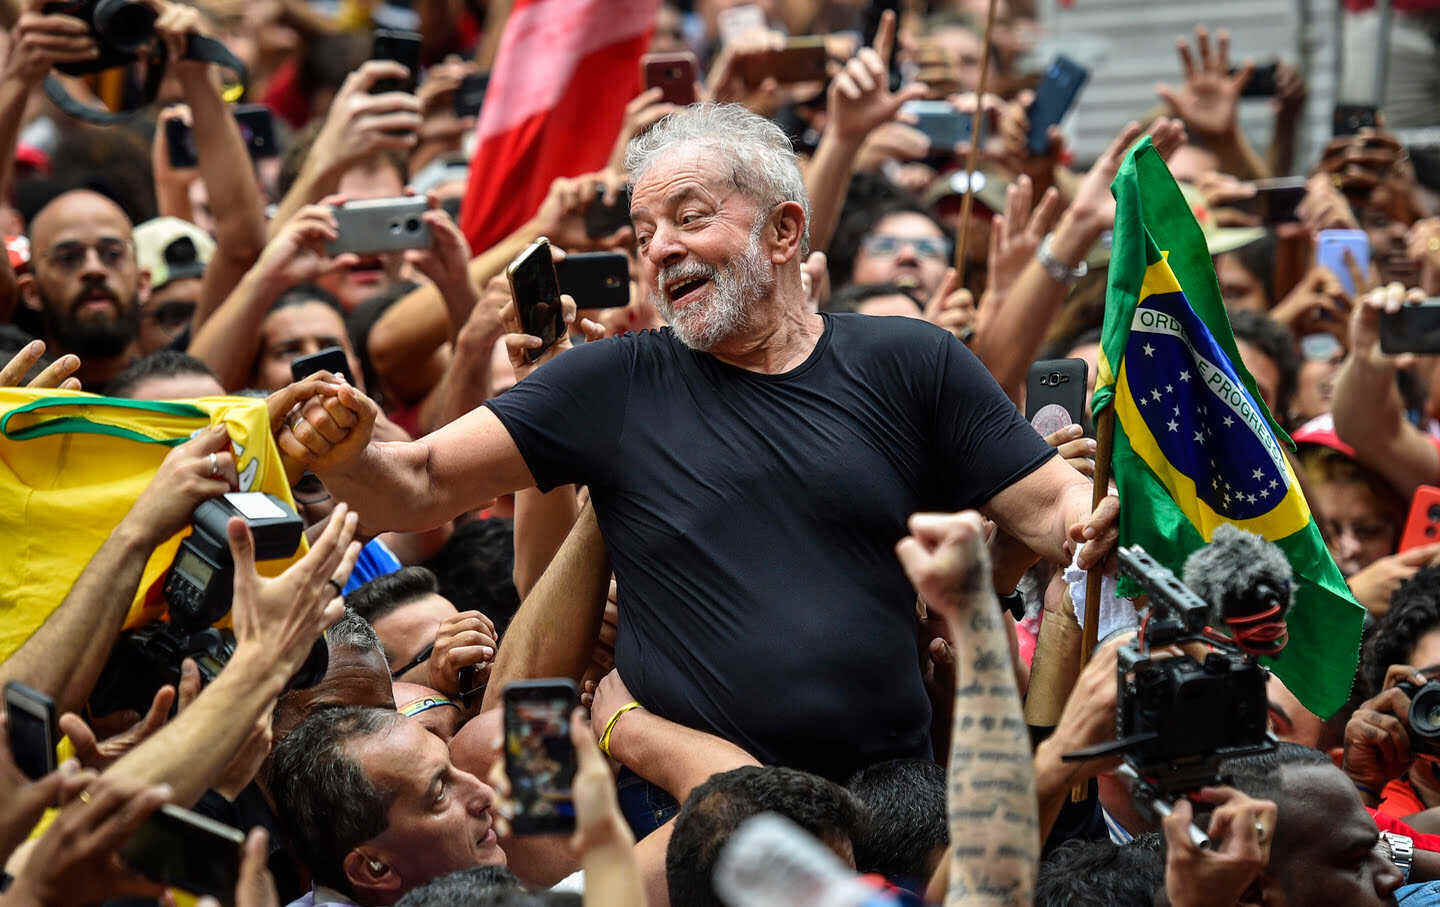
968,198
1104,448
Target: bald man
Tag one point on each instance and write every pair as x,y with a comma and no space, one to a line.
85,283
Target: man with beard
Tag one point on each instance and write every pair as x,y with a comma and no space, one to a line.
85,283
752,466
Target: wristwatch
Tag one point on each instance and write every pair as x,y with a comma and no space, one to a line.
1057,269
1402,851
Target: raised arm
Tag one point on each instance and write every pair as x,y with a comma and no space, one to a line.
994,829
1369,414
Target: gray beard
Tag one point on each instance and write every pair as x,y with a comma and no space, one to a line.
734,289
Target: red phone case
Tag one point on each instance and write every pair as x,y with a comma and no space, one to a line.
1422,527
674,74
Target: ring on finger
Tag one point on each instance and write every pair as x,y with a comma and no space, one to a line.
339,589
1260,831
214,466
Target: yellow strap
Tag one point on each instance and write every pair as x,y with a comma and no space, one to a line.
610,725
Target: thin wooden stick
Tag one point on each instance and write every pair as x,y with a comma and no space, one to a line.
1104,448
968,199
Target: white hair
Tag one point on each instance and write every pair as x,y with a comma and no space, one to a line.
763,165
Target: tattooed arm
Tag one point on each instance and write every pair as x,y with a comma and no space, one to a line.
994,830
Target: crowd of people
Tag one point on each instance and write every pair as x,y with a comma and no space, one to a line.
780,518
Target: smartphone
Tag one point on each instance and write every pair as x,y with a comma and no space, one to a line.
800,60
597,280
404,48
257,128
602,219
180,140
539,757
942,124
674,74
1054,97
736,22
1276,199
332,359
30,716
470,96
381,225
1415,328
1351,118
1055,392
183,849
536,292
1422,527
1263,80
1330,249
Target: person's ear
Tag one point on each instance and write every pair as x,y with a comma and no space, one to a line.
787,228
142,287
368,871
30,293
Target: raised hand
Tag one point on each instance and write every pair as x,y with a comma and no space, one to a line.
1210,97
860,98
23,801
39,41
446,261
101,754
56,374
1377,744
361,125
282,616
598,822
561,217
329,429
947,562
953,308
297,253
1093,201
644,110
199,469
1317,303
1015,236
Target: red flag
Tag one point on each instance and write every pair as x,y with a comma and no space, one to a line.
562,77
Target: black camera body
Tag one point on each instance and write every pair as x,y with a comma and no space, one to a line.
122,30
1423,721
202,576
1178,718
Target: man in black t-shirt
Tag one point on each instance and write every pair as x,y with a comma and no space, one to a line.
752,465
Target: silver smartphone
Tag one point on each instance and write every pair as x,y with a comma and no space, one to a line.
381,225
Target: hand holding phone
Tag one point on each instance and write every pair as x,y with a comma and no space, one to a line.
1413,328
183,849
800,60
673,74
30,720
596,280
1053,99
332,359
1345,253
1351,118
404,48
1055,394
540,756
536,292
381,225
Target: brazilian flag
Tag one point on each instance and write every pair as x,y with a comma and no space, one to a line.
1194,445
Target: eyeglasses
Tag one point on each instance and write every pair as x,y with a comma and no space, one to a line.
418,660
173,314
885,245
71,254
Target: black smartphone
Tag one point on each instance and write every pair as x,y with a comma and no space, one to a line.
1055,395
1415,328
257,128
30,716
602,219
1262,82
539,757
180,140
1054,97
597,280
183,849
332,359
470,96
1276,199
942,124
673,74
536,292
404,48
1351,118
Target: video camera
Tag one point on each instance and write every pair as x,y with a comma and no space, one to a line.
198,589
1178,718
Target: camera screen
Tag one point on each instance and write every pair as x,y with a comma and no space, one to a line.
193,568
540,758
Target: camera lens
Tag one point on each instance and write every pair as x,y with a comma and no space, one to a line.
124,24
1425,711
412,225
1433,514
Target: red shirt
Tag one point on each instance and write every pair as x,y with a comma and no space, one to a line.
1399,799
1389,823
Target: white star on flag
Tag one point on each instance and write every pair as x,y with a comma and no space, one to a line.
1229,421
1258,473
1156,394
1173,425
1273,483
1199,436
1149,350
1264,492
1250,498
1169,388
1184,376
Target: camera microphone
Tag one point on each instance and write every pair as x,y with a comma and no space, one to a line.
1248,585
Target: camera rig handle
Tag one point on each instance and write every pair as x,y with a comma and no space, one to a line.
1148,800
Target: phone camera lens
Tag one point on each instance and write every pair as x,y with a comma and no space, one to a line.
1433,514
413,225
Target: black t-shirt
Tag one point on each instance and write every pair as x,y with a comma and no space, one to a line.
751,521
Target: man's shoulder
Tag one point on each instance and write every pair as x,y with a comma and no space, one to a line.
880,331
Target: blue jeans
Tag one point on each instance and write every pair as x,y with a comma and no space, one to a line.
645,806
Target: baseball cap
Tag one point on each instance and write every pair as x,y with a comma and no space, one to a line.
1218,239
1321,430
172,249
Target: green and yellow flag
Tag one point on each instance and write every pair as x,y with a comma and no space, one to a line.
1195,446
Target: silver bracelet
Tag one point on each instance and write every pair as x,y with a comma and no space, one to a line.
1057,269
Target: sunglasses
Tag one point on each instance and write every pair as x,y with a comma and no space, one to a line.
422,657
